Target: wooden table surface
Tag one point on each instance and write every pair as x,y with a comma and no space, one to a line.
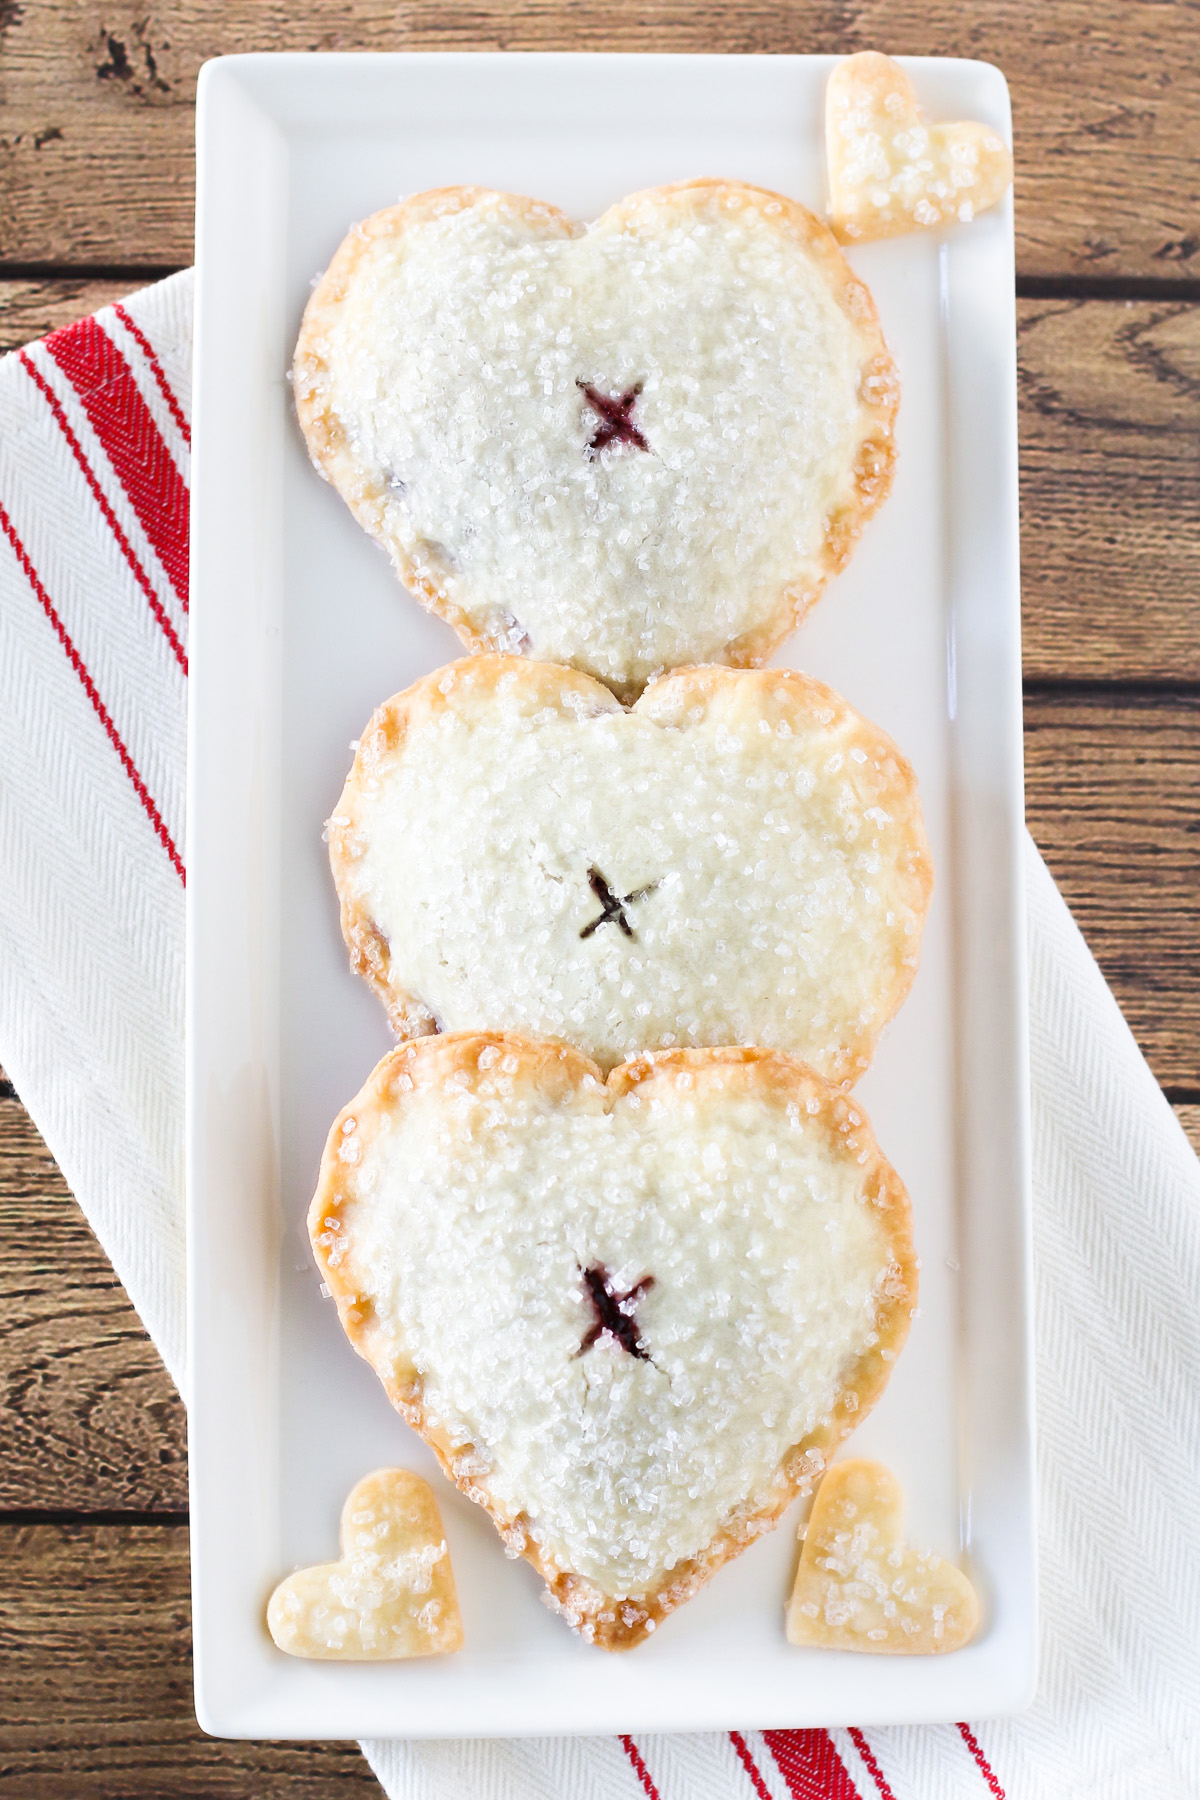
96,182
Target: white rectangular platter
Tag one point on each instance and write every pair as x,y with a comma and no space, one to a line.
299,630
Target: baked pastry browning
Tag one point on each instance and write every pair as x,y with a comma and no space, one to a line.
633,1318
738,859
392,1594
860,1587
624,446
892,172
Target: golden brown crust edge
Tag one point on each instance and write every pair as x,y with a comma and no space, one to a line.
864,491
550,684
615,1623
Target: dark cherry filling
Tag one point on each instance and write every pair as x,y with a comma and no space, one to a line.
616,425
614,1312
614,904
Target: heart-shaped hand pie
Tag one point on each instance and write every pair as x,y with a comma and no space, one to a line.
739,859
859,1587
890,172
391,1595
632,1318
625,446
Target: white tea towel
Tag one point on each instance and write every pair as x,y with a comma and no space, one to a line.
93,675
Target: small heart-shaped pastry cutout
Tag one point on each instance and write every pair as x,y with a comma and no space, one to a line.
890,171
860,1587
632,1318
625,446
739,859
392,1594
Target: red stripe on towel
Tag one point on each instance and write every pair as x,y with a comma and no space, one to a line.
132,442
811,1766
110,518
642,1772
984,1767
89,687
864,1750
164,387
751,1767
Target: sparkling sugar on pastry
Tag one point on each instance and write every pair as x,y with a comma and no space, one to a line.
633,1319
627,445
739,859
892,172
860,1587
390,1597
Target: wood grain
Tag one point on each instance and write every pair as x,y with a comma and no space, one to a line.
1189,1118
29,309
96,1679
89,1420
1110,489
96,162
1111,787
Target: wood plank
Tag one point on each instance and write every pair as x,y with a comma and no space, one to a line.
29,309
89,1420
1110,489
96,162
1189,1118
1110,787
95,1680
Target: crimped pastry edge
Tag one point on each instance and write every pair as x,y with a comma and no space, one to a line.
865,486
614,1622
554,684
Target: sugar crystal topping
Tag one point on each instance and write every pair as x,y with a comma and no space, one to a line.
757,1253
860,1586
889,169
470,363
391,1594
675,875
